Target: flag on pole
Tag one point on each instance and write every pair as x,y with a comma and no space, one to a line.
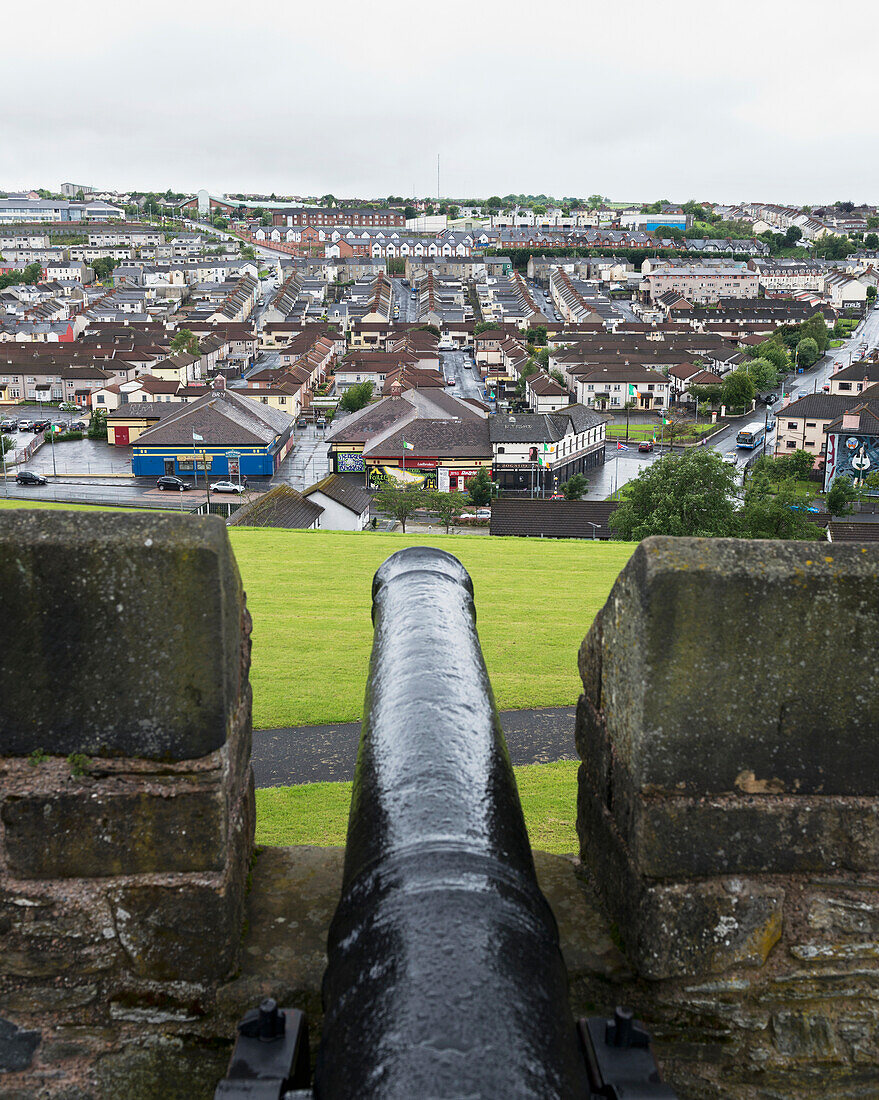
200,438
56,427
622,447
408,446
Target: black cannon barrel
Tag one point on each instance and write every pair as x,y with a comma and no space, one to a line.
445,977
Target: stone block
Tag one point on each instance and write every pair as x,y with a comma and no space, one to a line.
676,929
17,1047
180,933
806,1037
678,837
162,1071
720,666
92,832
128,636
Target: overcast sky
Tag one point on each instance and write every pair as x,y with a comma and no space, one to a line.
757,99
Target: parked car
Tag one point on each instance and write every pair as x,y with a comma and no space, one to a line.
77,426
229,486
40,425
771,398
170,481
645,447
26,477
8,425
25,425
67,407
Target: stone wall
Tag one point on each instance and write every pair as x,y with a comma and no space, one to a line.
727,812
126,804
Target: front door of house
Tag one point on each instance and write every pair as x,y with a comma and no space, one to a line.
169,465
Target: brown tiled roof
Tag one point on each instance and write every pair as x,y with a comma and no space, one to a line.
282,506
559,519
224,419
850,530
436,438
351,496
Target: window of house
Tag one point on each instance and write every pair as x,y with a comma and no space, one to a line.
791,444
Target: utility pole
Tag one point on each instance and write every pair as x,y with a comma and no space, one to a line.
437,180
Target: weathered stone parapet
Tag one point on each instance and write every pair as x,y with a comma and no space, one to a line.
728,811
126,800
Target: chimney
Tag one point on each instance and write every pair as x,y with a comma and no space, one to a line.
218,383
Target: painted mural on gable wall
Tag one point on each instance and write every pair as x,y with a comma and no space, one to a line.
852,456
381,477
348,462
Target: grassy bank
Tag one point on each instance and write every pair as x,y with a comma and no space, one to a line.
317,813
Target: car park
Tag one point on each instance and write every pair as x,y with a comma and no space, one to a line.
170,481
229,486
27,477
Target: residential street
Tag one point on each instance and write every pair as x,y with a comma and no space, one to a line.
468,381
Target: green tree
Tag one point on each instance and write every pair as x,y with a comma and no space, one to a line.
33,273
483,326
97,428
707,395
328,200
557,376
536,336
594,201
841,497
447,506
799,464
674,423
871,294
574,487
737,391
185,340
356,397
410,212
776,354
479,488
816,327
103,267
453,212
494,202
400,503
793,234
807,352
871,241
527,371
247,253
775,512
7,443
687,494
762,373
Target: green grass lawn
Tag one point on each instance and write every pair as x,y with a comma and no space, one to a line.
310,596
317,813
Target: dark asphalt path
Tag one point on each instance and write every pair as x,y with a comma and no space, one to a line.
312,754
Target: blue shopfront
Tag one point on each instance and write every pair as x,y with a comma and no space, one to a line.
215,461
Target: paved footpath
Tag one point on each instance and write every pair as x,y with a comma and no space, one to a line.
312,754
